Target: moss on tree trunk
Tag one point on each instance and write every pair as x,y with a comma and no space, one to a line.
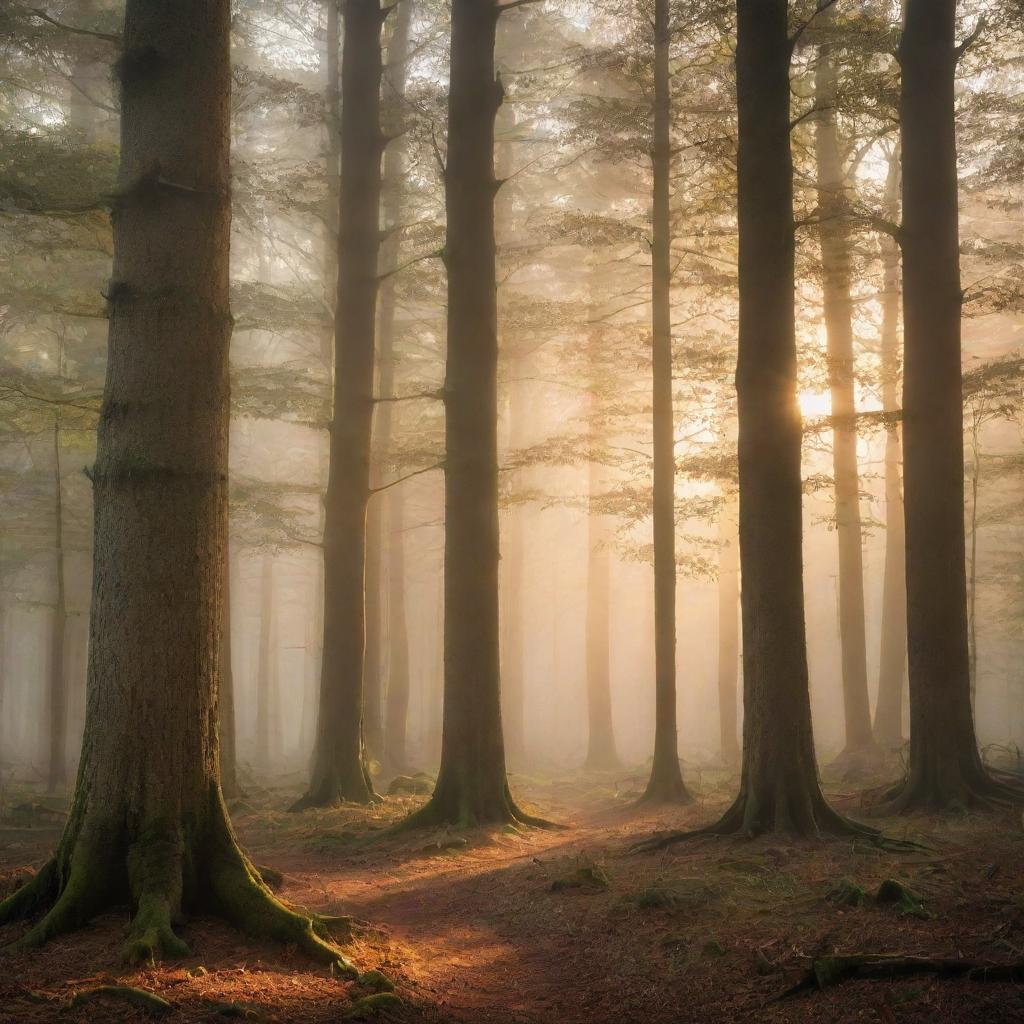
147,824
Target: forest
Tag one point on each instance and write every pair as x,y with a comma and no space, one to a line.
512,511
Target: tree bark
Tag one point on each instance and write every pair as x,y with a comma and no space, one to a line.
601,753
666,781
472,786
779,788
972,579
58,688
227,735
340,771
392,504
332,122
147,824
374,657
945,767
836,255
268,706
893,656
728,629
513,562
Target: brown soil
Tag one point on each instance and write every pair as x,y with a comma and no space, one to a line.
567,926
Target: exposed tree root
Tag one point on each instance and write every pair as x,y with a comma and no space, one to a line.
329,789
861,760
166,868
809,817
875,966
974,788
442,811
140,997
661,791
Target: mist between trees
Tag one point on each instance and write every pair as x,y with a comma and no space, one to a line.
559,332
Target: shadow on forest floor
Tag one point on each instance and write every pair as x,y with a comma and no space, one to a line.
567,926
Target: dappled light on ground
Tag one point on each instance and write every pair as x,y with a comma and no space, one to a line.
522,926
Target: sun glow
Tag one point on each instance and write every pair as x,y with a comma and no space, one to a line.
814,404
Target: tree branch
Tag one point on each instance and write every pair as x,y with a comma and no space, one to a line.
823,5
105,36
408,476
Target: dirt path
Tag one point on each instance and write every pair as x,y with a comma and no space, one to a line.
565,927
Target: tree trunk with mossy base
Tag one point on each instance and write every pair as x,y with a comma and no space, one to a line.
147,824
836,256
665,784
340,771
472,786
779,786
945,767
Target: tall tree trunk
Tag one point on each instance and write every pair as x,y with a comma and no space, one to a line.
392,506
58,689
375,657
3,671
227,734
779,788
601,752
836,257
513,558
666,781
339,763
972,579
728,629
945,767
472,786
512,530
267,705
397,707
147,824
332,123
893,655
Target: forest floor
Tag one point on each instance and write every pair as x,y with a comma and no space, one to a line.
567,926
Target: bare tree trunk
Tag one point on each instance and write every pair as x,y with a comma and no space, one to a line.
666,782
601,752
836,250
972,580
339,763
374,657
267,707
728,629
147,822
228,760
779,789
513,557
472,786
332,122
945,766
58,688
392,507
893,656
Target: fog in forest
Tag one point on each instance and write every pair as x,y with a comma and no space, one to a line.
359,316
